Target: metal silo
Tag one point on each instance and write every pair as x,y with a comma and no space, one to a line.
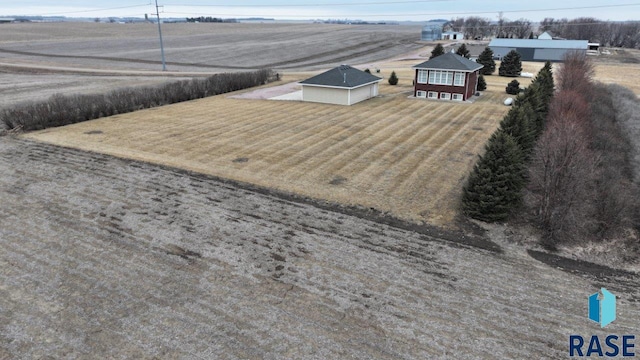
432,32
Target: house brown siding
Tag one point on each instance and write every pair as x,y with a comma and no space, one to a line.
467,90
472,81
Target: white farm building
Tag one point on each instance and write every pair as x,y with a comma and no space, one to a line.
343,85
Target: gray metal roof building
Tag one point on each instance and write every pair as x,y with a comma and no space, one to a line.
449,61
538,49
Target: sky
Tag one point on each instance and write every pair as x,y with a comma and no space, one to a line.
368,10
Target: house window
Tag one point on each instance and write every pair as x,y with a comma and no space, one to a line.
439,77
458,80
421,94
456,97
445,96
422,76
432,95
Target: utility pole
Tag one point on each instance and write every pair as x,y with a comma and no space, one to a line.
164,65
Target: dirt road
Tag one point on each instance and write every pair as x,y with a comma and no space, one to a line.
106,258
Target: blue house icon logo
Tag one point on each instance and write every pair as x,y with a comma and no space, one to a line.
603,310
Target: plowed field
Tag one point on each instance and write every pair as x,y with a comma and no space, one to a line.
111,259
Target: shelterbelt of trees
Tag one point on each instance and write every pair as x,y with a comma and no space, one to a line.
607,33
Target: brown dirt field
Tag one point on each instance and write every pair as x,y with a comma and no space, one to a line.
104,258
198,47
405,156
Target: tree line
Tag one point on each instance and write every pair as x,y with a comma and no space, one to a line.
494,187
561,160
209,19
607,33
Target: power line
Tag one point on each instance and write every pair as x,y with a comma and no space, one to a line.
315,5
391,15
92,10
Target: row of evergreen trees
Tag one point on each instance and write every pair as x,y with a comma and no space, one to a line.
495,184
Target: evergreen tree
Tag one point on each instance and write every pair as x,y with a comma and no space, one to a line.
519,123
393,79
437,51
486,60
511,64
513,88
545,79
482,84
463,51
493,187
531,35
538,95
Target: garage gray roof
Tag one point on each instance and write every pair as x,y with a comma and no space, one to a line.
343,76
540,44
449,61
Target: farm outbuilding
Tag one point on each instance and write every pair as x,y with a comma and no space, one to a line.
342,85
452,35
541,49
432,31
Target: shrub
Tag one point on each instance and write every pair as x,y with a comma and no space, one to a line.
393,79
463,51
482,84
61,110
367,71
486,60
513,88
511,64
437,51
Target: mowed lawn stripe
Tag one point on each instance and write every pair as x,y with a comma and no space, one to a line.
393,158
290,141
447,140
470,143
348,123
360,138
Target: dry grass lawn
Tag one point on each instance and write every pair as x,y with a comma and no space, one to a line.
400,155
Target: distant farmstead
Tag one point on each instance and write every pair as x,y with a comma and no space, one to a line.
446,77
343,85
544,48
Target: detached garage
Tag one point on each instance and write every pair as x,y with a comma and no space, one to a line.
342,85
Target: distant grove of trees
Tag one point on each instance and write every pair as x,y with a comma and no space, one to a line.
209,19
607,33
